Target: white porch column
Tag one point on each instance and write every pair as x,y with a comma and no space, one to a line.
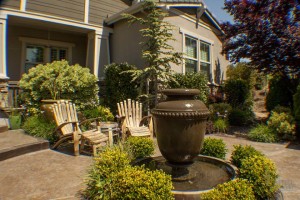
3,47
98,52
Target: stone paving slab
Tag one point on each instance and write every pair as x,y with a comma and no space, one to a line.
16,142
43,175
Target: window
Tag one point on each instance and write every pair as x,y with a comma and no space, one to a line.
39,51
197,56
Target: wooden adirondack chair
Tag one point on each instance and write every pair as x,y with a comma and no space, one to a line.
130,113
68,128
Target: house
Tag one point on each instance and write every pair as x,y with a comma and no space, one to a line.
93,33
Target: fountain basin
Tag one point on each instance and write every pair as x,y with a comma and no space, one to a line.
200,176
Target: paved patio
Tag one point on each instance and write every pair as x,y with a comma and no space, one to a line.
48,174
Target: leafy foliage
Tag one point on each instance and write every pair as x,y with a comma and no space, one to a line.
119,85
266,33
38,126
214,147
261,173
221,125
283,124
59,80
242,71
157,52
241,152
191,80
280,92
140,147
262,133
15,121
112,177
297,108
237,92
141,183
241,116
222,109
234,190
99,111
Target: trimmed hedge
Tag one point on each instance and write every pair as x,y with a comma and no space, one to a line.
214,147
241,152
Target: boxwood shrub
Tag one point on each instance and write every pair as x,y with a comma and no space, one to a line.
112,177
262,133
261,173
237,189
214,147
139,147
241,152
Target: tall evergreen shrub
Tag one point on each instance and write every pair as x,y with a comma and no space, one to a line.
119,85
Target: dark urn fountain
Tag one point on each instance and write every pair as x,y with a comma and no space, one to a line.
179,124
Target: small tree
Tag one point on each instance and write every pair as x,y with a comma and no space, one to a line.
157,52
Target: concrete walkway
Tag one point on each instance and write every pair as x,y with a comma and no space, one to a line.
48,174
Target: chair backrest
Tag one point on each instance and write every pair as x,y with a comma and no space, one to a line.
132,111
65,111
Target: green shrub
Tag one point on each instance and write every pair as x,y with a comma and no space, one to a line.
99,111
282,109
296,102
15,121
59,80
278,93
119,86
106,163
237,92
241,152
219,108
238,189
214,147
242,71
220,125
39,126
262,133
240,116
140,147
194,81
261,173
283,124
140,183
112,177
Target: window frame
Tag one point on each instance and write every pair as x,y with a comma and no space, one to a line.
200,39
47,45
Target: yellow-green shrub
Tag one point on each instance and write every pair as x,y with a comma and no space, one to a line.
261,173
214,147
106,163
140,147
238,189
283,124
241,152
140,183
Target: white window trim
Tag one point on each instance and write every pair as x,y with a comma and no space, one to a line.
41,42
199,38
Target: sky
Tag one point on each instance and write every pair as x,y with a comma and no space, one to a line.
215,7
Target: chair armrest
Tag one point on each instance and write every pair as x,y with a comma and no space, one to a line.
74,123
145,120
90,120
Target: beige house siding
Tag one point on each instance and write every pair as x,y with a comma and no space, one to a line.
101,9
14,51
15,4
126,47
69,9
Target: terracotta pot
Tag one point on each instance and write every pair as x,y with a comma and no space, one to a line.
46,107
179,123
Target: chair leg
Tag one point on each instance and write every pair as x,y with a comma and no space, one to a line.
94,149
76,143
61,140
82,144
